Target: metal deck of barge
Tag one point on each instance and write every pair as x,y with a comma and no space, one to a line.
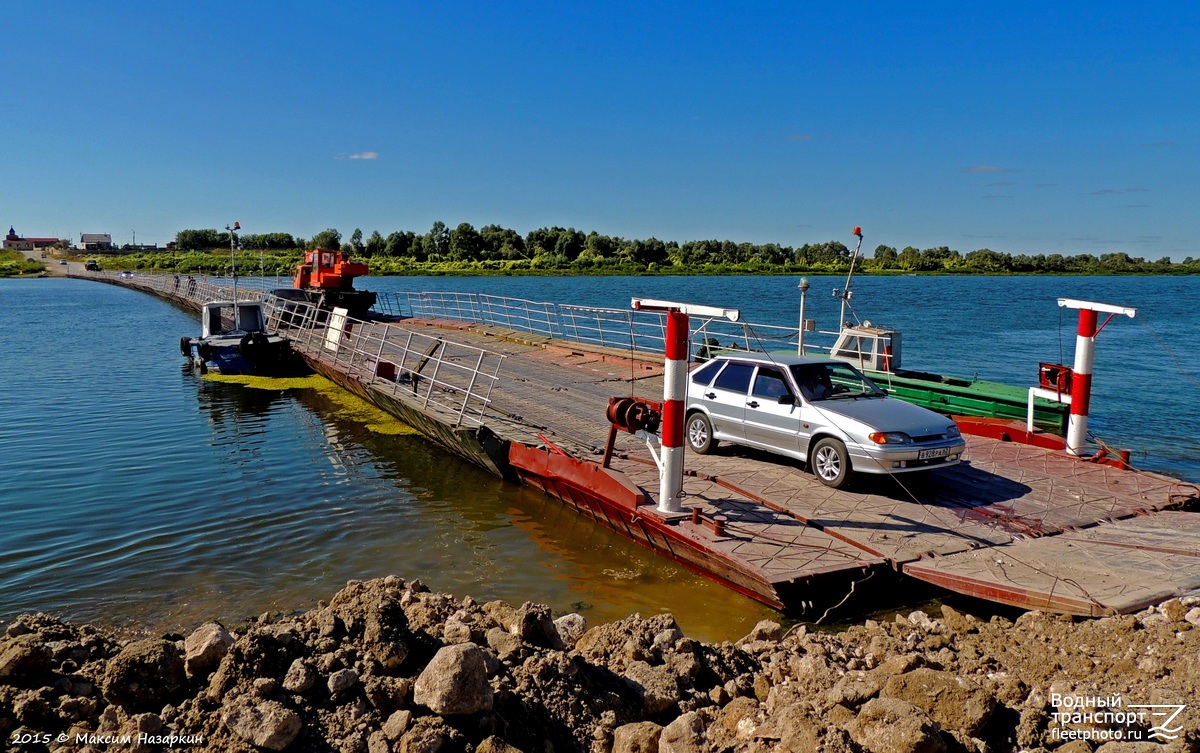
1014,523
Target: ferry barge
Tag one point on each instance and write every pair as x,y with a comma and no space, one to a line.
1019,522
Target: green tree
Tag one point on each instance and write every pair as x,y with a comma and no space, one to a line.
541,242
466,244
436,243
885,257
375,244
909,258
402,243
200,240
502,243
1117,262
987,260
329,239
647,252
570,243
356,242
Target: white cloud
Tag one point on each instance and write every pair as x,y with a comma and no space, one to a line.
987,169
364,155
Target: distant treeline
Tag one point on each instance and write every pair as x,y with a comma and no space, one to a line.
493,248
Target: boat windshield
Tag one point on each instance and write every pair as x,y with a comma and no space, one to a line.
250,318
833,381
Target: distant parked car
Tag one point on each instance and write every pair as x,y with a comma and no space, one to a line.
823,412
126,274
292,305
91,265
62,262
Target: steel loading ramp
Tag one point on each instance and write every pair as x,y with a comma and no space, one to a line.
1113,567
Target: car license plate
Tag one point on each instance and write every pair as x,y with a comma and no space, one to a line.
939,452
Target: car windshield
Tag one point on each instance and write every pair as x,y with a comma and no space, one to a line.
833,381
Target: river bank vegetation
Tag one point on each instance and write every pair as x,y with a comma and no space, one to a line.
14,264
495,250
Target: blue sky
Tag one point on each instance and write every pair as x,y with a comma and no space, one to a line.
1021,127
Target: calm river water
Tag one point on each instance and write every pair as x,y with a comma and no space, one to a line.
135,492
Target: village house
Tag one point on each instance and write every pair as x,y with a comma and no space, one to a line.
95,242
14,242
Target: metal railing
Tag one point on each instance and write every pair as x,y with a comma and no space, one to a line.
195,290
625,329
423,371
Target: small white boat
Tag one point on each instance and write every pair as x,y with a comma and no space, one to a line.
234,340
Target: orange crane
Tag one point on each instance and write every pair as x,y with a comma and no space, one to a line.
328,279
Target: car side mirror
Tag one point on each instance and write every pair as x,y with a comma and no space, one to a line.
787,399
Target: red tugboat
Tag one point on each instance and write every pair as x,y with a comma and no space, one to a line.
327,279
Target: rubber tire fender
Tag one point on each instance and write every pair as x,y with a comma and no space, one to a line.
253,346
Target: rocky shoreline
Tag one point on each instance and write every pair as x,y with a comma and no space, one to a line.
389,667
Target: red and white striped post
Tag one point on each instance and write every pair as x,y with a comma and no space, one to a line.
675,371
1081,372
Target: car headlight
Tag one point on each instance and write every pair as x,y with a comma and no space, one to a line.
952,432
890,437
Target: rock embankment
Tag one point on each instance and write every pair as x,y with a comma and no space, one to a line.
390,667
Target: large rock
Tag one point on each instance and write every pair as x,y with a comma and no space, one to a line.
144,676
765,630
639,737
341,681
24,655
300,677
890,725
427,735
205,648
955,702
455,682
267,724
684,735
397,724
570,628
533,623
495,745
505,644
383,637
735,724
656,686
798,729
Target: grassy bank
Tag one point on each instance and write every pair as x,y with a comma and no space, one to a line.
14,264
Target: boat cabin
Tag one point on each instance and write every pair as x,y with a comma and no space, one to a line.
217,318
868,347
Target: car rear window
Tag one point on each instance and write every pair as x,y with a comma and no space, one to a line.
704,374
735,378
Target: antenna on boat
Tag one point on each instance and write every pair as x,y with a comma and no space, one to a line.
845,294
233,263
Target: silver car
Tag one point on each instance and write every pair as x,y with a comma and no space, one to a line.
825,413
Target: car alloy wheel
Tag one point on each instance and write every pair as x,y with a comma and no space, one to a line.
831,463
